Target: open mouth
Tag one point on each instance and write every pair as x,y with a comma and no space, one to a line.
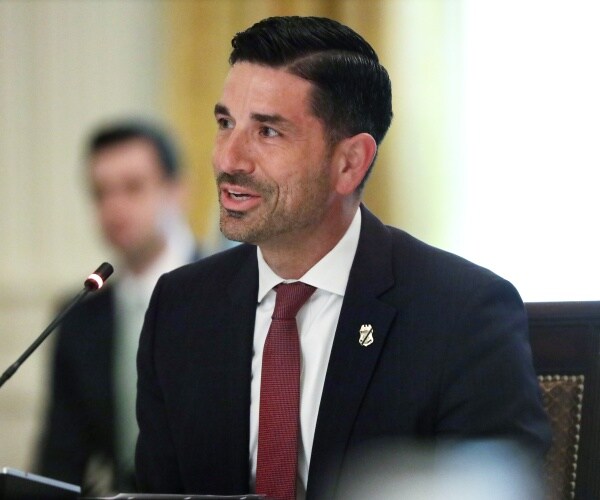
238,198
239,195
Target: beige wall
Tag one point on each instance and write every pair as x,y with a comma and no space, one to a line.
63,66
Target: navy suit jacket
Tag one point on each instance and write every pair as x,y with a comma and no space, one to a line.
80,421
450,358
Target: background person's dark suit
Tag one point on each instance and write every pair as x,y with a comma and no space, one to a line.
79,439
450,358
81,418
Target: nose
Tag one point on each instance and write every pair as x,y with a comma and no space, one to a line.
233,153
114,205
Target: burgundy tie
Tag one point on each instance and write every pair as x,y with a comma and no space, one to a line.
278,426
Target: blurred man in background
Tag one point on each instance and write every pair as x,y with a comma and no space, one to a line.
90,430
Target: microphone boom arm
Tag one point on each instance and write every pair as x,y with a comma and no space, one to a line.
92,283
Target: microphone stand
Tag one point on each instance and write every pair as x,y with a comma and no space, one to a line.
92,283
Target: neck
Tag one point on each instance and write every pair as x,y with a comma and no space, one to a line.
141,260
291,258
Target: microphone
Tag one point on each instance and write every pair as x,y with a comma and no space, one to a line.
93,282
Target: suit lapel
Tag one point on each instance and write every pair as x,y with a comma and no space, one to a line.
351,364
239,330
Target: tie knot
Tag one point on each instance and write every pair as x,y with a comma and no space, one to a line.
290,298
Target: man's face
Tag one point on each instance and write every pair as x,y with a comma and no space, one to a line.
270,159
132,196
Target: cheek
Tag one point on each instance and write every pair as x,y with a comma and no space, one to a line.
214,157
110,211
299,190
148,212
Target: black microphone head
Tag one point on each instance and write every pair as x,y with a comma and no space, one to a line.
95,280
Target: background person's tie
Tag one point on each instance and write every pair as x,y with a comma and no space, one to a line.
279,417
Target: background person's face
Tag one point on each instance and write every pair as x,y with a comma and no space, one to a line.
131,195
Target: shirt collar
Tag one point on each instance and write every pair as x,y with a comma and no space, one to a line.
178,251
330,273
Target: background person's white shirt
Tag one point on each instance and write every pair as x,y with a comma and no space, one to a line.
132,295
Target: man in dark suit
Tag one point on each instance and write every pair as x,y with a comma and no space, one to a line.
90,429
398,339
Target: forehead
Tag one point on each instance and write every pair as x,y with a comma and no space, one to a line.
135,157
257,88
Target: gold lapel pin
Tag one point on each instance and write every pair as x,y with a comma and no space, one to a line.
366,335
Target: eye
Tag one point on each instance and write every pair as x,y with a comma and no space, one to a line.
224,123
269,132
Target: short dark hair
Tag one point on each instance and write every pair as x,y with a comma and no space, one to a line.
123,131
352,90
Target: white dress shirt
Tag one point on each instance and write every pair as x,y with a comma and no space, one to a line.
317,321
132,295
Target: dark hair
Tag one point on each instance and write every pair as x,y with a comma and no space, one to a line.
352,90
124,131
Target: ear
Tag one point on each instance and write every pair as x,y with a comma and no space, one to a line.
352,159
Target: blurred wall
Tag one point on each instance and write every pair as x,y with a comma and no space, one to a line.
64,65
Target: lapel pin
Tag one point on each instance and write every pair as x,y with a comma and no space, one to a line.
366,335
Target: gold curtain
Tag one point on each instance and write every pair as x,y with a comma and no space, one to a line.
198,35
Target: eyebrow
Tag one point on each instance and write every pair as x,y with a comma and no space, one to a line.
221,109
263,118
